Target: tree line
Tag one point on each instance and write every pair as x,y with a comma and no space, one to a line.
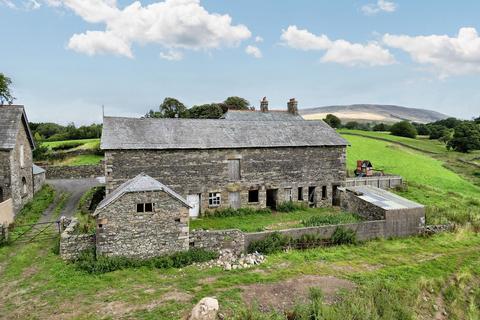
456,134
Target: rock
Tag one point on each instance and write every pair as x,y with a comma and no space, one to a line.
205,309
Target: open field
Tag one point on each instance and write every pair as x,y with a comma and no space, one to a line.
272,221
82,159
73,152
82,144
434,277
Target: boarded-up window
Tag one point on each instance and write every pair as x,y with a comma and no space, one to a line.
288,194
234,169
234,199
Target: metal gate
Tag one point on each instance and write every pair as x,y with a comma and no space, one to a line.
35,232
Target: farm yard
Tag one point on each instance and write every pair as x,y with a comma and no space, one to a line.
434,277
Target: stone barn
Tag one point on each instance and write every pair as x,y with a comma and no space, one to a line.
16,146
249,159
142,218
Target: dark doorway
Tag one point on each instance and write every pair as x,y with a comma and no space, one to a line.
335,196
312,198
272,198
1,195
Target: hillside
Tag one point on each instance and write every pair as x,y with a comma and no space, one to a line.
373,113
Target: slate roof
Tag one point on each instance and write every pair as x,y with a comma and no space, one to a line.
150,133
140,183
383,199
272,115
37,170
10,119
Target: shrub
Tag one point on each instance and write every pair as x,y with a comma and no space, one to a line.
90,263
381,127
229,212
290,206
404,129
272,243
344,236
333,121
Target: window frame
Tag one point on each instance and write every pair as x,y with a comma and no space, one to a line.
142,207
214,199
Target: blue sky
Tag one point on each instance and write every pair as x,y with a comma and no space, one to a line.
414,53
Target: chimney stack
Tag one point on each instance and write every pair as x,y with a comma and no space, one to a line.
264,105
292,106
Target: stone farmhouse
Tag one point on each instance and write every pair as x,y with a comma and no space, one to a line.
248,159
16,168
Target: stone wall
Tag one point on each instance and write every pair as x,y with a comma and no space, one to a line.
364,230
38,181
19,172
74,172
382,182
200,172
73,244
5,186
217,240
350,202
122,231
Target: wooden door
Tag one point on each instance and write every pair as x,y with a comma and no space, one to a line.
194,201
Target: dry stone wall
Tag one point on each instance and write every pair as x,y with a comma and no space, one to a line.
73,244
74,172
350,202
218,240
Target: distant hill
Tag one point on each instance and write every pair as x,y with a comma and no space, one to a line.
373,113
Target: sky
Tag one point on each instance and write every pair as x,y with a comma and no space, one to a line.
67,58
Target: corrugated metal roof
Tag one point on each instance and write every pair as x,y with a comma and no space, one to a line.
148,133
140,183
37,170
10,119
383,199
251,115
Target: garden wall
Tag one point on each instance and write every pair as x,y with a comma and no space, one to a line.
75,172
216,240
72,244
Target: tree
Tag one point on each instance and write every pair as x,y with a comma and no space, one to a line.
404,129
437,131
205,111
477,120
422,129
172,108
352,125
466,137
381,127
236,103
333,121
5,94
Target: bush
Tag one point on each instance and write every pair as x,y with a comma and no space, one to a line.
404,129
90,263
272,243
290,206
333,121
229,212
344,236
466,137
381,127
67,145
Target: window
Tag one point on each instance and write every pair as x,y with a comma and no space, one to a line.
234,169
253,196
324,192
22,156
214,199
24,186
300,194
288,194
145,207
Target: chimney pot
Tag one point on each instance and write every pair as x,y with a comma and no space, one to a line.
264,105
292,106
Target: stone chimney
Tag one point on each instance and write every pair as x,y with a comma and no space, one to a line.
292,106
264,105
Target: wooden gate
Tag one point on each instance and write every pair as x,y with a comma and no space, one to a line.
35,232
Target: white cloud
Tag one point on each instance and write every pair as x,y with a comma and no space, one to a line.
258,39
445,55
338,51
173,24
253,51
31,4
172,55
381,5
8,4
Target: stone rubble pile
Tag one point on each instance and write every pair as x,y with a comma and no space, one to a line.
229,261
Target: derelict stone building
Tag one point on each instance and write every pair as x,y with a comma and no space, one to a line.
142,218
246,160
16,146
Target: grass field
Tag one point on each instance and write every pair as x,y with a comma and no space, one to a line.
79,160
272,221
84,144
423,278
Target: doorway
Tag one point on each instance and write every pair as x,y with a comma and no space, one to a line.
194,201
272,198
234,199
335,196
312,198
